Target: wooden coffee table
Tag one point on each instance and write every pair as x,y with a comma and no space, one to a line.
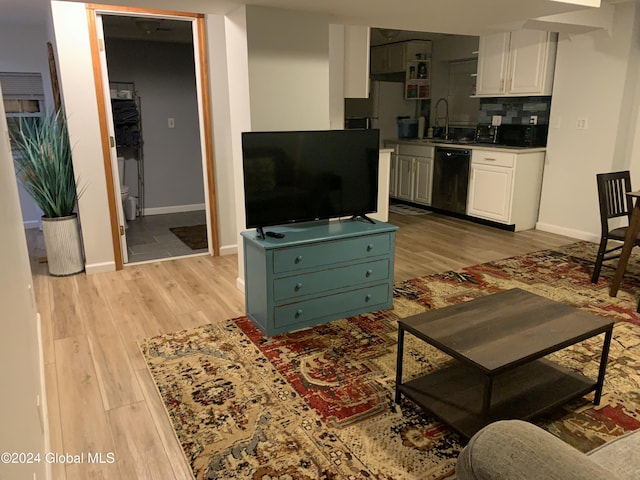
497,343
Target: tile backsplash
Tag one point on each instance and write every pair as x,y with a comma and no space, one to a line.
515,110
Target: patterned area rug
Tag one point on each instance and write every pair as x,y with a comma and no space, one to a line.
193,236
318,403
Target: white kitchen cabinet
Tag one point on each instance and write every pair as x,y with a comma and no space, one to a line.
393,176
505,187
493,60
422,180
412,173
379,59
516,64
393,57
490,192
405,177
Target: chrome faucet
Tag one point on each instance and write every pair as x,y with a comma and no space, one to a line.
446,116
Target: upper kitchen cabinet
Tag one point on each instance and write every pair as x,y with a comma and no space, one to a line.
516,64
393,57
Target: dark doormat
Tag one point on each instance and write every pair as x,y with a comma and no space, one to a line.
194,236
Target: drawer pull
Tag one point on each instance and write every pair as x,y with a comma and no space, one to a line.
369,247
298,259
488,159
298,287
298,313
369,273
367,297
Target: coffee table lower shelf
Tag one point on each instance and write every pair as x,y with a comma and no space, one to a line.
455,393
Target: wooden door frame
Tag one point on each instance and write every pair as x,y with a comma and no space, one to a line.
205,107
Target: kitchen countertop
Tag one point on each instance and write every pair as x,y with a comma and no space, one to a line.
435,142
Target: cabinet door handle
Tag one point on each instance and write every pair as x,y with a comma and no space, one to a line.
298,259
490,159
298,287
298,313
369,273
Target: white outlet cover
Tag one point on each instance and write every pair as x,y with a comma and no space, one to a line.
496,120
582,123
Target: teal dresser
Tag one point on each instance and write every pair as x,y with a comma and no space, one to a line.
317,273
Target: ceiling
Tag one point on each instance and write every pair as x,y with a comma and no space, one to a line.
149,29
470,17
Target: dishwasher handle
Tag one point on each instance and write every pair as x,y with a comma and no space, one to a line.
451,152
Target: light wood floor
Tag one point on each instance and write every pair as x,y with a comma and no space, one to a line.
101,398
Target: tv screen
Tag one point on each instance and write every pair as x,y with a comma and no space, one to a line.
309,175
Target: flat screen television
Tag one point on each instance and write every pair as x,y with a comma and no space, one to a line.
302,176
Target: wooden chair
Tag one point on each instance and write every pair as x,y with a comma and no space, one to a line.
614,203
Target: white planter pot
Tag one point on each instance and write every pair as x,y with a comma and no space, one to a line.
63,245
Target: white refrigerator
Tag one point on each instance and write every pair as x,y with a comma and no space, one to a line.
387,104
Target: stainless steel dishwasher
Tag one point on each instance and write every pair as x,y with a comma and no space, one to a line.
451,179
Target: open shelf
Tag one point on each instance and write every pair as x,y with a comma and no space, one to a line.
455,393
417,83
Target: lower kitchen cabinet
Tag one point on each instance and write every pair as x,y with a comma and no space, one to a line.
505,187
412,173
393,175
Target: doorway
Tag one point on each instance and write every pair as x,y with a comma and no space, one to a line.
156,116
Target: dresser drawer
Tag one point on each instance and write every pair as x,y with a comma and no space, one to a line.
341,304
330,279
490,157
330,253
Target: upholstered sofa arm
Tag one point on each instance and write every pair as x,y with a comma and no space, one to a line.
517,450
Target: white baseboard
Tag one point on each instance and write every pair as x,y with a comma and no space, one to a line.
228,250
568,232
174,209
31,224
240,284
100,267
44,405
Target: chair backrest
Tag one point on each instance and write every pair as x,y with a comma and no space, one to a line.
612,189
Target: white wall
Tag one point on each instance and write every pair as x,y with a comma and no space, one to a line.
596,78
274,83
20,352
288,69
164,75
225,174
336,76
31,57
71,30
77,84
240,117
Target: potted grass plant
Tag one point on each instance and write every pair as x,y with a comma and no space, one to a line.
43,162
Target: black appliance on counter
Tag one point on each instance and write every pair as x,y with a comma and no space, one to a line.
451,179
530,136
523,135
486,134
